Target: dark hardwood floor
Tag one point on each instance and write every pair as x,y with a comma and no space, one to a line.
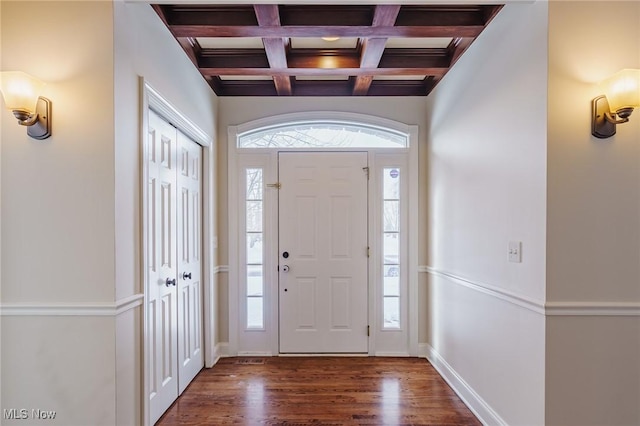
319,391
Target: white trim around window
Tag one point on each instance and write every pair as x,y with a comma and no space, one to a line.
264,341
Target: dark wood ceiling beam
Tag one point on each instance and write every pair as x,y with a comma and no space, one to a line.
160,10
385,15
275,48
373,48
248,88
435,71
490,12
276,54
457,47
371,24
339,31
468,15
233,58
398,88
322,88
189,44
328,15
362,84
215,83
208,14
325,59
415,58
191,47
326,88
322,15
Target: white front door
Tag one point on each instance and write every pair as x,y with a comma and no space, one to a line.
323,250
174,310
190,356
162,268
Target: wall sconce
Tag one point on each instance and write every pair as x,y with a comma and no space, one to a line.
20,92
621,96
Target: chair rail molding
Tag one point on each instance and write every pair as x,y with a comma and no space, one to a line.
488,289
221,269
549,308
580,309
72,309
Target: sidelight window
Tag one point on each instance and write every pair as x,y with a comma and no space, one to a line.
254,211
391,248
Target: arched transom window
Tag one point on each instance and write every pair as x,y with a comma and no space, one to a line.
323,134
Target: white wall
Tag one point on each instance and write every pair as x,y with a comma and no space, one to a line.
593,247
487,186
238,110
57,214
70,205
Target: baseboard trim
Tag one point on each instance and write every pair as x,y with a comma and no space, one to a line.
515,299
220,350
336,354
392,354
423,350
72,309
256,353
476,404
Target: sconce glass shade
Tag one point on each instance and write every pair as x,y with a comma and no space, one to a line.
623,89
20,90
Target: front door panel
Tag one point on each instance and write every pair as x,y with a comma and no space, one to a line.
323,230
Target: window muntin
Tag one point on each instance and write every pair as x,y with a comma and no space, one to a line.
391,248
254,215
323,134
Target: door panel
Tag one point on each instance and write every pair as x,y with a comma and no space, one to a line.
190,354
323,226
173,248
161,232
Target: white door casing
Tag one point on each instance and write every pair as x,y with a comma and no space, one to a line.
323,278
162,267
174,301
190,353
265,342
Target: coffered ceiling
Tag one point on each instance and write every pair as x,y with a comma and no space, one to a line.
279,50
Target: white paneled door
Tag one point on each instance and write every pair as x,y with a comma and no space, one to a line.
174,313
190,356
323,252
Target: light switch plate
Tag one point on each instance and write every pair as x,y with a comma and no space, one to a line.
515,251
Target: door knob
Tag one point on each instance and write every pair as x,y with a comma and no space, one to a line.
285,268
186,276
170,282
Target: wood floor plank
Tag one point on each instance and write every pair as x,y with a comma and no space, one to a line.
290,391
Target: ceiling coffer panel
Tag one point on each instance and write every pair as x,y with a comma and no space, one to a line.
392,50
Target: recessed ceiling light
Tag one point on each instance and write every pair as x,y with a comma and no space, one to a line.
331,38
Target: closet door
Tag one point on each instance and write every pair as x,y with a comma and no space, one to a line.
162,266
190,356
